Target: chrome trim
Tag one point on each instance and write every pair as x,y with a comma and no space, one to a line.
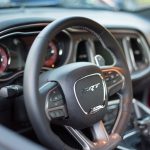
130,134
141,106
123,148
85,143
125,48
18,73
144,121
146,48
104,90
114,102
130,50
90,50
43,86
137,110
19,33
11,77
42,24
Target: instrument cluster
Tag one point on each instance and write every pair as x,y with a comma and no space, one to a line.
14,50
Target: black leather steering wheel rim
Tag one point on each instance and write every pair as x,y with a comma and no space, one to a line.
35,107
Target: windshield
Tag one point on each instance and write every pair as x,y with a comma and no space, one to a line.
128,5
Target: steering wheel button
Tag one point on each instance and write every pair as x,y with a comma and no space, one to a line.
59,113
52,114
58,103
110,72
112,76
52,104
107,79
117,75
56,113
55,98
114,81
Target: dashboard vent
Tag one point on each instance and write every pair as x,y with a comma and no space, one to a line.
137,49
82,52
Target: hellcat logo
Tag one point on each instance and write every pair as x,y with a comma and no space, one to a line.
96,109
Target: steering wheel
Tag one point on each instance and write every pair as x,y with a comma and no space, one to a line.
76,95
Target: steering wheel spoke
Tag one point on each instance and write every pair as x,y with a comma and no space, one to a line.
101,137
114,79
99,132
101,140
81,138
44,89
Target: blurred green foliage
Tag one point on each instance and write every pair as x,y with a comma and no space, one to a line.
144,2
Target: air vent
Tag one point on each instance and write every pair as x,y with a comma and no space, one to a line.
136,50
82,52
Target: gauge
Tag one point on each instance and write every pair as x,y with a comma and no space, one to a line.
3,59
51,56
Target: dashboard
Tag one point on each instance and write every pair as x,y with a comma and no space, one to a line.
18,30
14,49
70,45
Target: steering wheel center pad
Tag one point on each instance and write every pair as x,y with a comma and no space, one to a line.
85,92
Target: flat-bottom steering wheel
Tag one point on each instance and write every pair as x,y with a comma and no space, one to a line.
75,95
